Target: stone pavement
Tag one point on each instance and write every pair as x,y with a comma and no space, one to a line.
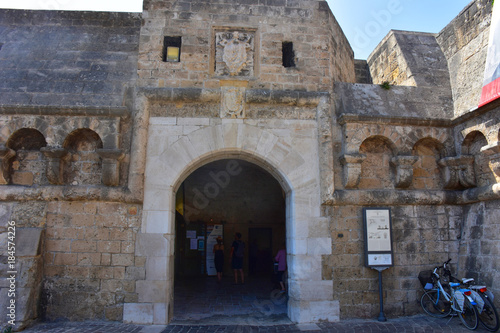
415,324
203,305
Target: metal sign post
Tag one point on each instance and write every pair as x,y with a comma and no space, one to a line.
378,245
381,316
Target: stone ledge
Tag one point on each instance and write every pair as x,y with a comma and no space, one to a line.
413,197
69,193
252,96
86,111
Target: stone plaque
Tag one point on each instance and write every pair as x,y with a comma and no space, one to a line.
234,53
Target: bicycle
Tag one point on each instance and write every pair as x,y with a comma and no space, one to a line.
487,313
442,301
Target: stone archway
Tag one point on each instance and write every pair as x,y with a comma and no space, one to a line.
288,149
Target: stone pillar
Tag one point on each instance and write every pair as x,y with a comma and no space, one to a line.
352,169
404,170
458,171
111,159
493,153
5,155
57,158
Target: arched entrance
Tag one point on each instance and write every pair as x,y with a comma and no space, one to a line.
288,150
219,199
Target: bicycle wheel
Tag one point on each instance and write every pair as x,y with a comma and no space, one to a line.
434,304
469,316
489,316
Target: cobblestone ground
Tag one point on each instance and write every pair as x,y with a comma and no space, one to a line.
414,324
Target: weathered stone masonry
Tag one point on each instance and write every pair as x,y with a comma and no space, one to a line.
97,133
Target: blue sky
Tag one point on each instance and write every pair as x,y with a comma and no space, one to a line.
365,22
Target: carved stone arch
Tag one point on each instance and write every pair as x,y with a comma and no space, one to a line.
376,169
84,166
26,166
291,159
473,145
473,142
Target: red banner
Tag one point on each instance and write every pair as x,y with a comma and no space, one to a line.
491,86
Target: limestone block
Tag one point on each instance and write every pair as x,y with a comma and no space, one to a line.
160,313
151,291
57,158
266,142
151,245
319,246
138,313
156,268
230,132
163,121
201,141
310,291
157,197
193,121
324,311
248,137
293,161
158,222
28,241
304,267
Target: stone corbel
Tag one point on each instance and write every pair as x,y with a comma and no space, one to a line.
404,170
352,169
493,153
6,155
111,159
56,160
458,171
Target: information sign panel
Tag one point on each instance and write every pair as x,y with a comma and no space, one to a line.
378,237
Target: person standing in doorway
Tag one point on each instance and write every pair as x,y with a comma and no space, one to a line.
219,258
281,260
237,253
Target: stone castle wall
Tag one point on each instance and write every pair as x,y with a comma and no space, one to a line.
464,42
322,54
96,137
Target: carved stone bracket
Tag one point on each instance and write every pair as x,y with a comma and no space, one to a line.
111,159
56,160
493,153
458,171
352,169
5,156
404,170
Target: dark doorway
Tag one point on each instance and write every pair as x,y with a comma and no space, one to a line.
234,196
260,251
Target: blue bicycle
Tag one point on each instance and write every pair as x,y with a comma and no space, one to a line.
442,301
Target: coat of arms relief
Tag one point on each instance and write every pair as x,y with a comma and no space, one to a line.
234,53
234,58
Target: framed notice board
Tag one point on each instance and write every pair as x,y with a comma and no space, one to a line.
377,227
